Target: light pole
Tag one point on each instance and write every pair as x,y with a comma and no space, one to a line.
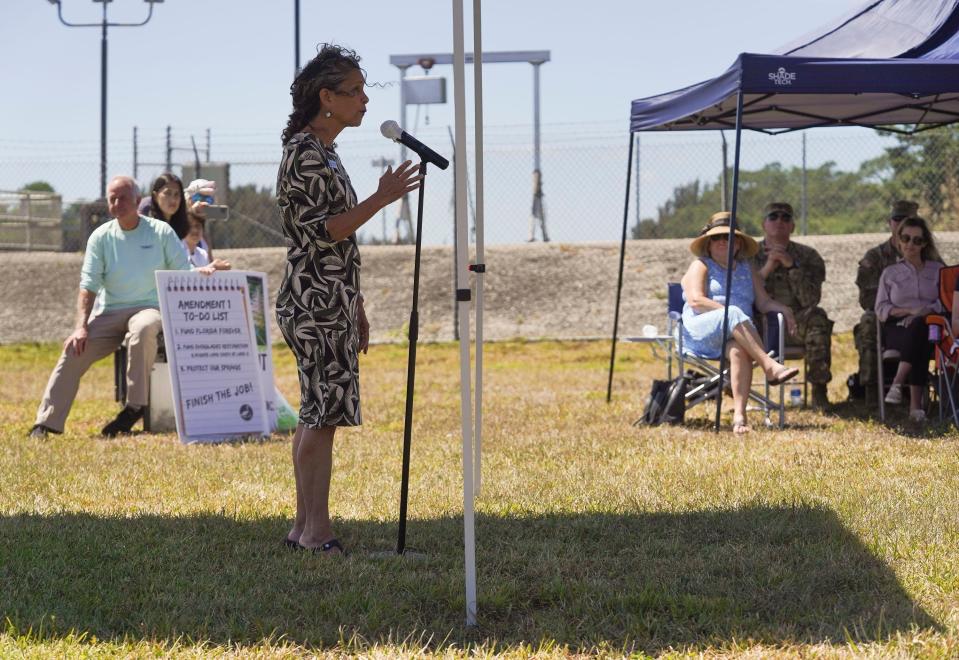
296,38
103,25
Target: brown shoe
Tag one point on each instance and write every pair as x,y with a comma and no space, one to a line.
820,398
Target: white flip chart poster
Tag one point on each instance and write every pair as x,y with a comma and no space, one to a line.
211,346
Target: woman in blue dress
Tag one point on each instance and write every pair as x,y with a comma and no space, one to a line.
704,290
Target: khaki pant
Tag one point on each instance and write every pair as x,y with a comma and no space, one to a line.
105,333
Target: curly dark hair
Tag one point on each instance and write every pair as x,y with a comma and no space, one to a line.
929,251
178,220
327,70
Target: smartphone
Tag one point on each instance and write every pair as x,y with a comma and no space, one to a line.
200,197
217,212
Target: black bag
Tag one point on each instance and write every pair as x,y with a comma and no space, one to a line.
857,391
666,403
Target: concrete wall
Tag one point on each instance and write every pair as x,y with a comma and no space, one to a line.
532,290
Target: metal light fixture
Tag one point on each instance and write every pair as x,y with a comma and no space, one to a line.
103,25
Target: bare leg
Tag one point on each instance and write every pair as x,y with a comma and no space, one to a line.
901,373
915,397
748,339
315,460
741,375
298,522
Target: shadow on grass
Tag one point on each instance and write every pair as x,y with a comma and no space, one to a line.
647,581
897,418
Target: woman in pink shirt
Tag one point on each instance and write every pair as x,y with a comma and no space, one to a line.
908,291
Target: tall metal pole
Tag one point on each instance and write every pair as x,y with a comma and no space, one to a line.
724,193
208,140
536,134
622,260
537,165
169,149
463,297
136,161
638,187
103,24
296,38
730,254
456,256
805,198
103,105
479,268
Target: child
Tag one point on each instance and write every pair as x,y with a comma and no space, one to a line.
192,241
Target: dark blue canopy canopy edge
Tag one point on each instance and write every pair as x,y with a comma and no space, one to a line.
880,29
783,93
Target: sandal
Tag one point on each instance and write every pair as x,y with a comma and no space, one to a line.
328,547
784,374
740,426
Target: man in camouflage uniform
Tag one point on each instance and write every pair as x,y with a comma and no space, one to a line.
867,279
794,275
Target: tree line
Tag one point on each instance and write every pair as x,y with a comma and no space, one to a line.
923,167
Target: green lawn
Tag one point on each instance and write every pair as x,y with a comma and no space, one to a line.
836,536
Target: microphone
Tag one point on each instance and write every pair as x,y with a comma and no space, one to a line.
391,130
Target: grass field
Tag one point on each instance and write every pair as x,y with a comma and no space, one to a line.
836,536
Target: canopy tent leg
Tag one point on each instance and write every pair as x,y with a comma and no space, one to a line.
463,300
730,254
479,268
622,257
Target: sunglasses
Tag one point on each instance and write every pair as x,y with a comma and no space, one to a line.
918,241
715,238
779,215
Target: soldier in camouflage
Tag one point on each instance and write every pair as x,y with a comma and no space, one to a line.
867,279
794,275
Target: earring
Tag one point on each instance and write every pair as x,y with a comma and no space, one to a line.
327,114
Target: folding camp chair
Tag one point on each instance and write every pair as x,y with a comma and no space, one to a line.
774,340
706,387
946,351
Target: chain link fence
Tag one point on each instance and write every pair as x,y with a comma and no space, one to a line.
838,180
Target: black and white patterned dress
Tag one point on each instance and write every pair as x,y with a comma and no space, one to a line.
316,303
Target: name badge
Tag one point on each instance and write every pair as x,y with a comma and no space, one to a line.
332,164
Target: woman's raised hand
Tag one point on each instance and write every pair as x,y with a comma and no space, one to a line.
396,183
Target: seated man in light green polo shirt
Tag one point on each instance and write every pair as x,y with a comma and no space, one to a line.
120,259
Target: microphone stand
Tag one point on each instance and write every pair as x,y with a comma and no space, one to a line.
411,368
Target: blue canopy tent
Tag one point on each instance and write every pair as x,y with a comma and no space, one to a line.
778,93
880,29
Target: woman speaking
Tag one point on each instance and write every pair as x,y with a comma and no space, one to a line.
319,306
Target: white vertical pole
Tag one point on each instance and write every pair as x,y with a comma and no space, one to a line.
463,300
536,135
480,238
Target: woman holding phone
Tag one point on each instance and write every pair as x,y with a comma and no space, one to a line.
319,306
170,202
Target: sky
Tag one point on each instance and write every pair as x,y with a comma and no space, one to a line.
227,65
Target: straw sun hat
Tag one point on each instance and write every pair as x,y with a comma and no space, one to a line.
719,226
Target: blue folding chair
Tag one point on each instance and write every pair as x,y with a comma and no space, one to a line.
774,340
707,387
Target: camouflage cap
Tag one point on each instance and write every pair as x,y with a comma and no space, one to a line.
777,206
903,207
